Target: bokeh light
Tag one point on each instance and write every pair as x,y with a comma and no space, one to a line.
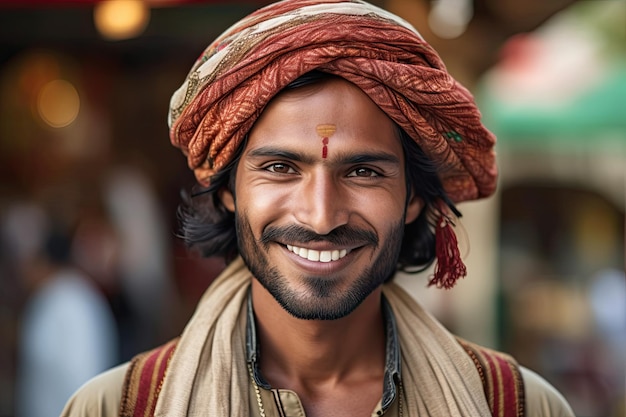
58,103
448,19
121,19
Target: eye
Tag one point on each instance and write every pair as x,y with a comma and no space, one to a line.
280,168
364,173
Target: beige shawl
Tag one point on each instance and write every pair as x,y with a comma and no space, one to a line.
207,375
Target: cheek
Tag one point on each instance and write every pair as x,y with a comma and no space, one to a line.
391,198
380,208
261,204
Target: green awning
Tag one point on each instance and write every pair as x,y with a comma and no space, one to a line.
595,115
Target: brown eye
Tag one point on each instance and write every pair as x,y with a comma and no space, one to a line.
280,168
363,173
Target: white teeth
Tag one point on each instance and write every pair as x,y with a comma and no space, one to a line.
314,255
317,255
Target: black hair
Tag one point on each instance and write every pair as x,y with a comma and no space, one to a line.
207,226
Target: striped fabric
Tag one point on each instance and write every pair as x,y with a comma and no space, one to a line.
144,379
502,380
499,372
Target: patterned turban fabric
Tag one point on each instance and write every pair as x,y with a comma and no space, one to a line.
238,74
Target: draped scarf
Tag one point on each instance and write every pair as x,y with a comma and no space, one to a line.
208,373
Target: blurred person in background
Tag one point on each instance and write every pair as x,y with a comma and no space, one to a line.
607,296
143,259
330,145
67,332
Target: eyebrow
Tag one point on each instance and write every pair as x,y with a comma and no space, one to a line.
267,151
339,158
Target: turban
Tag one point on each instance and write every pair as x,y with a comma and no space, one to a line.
238,74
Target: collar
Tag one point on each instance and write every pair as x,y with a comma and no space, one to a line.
392,354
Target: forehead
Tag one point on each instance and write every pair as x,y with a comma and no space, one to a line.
299,115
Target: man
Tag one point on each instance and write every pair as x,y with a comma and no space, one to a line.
331,145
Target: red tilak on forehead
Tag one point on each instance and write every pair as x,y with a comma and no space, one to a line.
325,147
325,132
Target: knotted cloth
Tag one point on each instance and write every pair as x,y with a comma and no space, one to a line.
207,375
238,74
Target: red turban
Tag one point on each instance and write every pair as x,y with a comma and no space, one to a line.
237,75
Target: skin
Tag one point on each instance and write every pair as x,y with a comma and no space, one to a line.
288,195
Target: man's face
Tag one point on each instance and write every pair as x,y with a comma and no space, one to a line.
321,198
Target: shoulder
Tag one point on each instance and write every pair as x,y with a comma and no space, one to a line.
99,397
499,370
542,399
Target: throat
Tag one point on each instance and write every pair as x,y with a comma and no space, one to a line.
301,354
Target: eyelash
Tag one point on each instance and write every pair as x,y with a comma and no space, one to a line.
272,168
352,174
373,173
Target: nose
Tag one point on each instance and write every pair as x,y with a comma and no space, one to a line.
322,203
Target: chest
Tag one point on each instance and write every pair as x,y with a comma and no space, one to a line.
287,403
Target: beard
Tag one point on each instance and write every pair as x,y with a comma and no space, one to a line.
318,298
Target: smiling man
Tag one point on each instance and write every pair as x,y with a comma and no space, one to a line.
330,146
321,230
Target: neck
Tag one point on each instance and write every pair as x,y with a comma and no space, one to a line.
299,353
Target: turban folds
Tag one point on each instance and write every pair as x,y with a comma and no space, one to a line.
238,74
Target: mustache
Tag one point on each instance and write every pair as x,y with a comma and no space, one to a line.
341,236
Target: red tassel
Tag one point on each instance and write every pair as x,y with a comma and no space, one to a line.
449,266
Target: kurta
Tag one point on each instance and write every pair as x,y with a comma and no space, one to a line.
101,396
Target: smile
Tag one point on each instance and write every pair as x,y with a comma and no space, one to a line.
318,255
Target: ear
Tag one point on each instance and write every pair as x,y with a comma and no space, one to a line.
227,199
413,209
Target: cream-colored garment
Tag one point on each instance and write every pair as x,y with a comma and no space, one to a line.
101,397
442,376
208,374
426,363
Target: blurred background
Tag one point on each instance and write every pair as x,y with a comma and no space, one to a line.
91,270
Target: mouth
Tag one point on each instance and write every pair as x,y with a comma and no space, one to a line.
323,256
